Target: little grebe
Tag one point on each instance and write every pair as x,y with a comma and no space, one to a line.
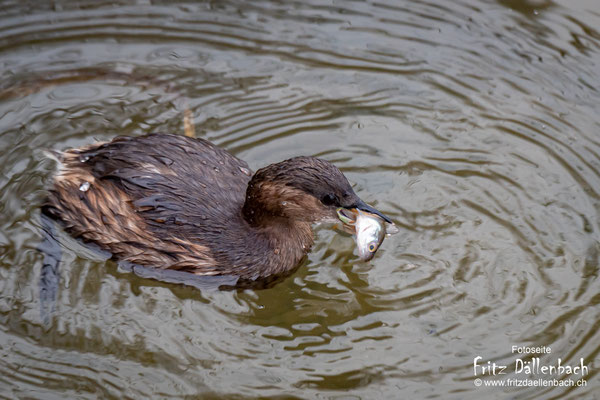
174,202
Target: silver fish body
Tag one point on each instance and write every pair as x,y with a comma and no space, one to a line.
370,232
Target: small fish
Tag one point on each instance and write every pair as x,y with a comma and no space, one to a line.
370,232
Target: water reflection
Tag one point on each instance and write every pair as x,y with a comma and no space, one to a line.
528,8
472,124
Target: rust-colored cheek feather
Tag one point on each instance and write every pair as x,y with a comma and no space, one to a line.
173,202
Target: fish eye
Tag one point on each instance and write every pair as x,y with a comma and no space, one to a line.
372,247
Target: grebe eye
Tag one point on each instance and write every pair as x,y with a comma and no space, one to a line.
372,247
329,199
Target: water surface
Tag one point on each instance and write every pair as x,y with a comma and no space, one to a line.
474,124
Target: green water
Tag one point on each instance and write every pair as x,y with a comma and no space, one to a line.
473,124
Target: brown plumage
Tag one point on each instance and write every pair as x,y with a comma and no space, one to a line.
173,202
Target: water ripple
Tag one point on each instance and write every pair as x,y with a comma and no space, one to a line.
472,124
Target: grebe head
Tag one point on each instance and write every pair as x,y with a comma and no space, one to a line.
301,189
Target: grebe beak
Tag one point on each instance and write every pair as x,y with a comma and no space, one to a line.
361,205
